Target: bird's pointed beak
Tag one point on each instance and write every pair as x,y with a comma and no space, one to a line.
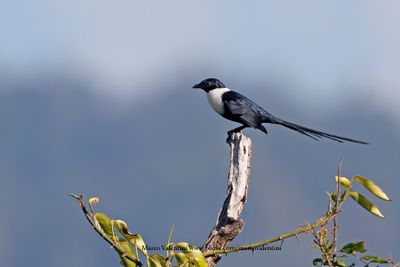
196,86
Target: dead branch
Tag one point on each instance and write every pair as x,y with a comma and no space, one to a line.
229,224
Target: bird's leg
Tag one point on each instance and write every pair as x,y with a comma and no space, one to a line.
238,129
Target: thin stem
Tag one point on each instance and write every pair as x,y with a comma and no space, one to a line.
319,243
303,229
338,200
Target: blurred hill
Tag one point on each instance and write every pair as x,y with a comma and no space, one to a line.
163,161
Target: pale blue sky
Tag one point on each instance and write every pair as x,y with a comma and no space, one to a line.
321,51
319,45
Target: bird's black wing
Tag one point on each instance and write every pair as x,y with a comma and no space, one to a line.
241,109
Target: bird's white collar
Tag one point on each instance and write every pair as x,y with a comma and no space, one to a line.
215,99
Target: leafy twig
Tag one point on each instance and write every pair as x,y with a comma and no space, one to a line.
100,231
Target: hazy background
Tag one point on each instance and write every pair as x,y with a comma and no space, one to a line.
96,98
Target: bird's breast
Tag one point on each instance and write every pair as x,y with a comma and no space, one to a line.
215,99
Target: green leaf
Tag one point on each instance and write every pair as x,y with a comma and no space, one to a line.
340,263
372,187
104,222
189,250
198,262
333,196
181,258
127,263
317,262
374,259
353,248
157,260
134,239
343,181
106,225
365,203
195,256
127,249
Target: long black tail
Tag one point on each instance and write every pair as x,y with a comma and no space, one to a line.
314,134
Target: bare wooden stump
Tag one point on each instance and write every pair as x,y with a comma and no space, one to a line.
229,224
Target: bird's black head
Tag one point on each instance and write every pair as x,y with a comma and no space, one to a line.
209,84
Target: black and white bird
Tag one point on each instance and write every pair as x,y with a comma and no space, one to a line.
236,107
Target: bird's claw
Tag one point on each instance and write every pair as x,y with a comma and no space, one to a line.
229,138
230,134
